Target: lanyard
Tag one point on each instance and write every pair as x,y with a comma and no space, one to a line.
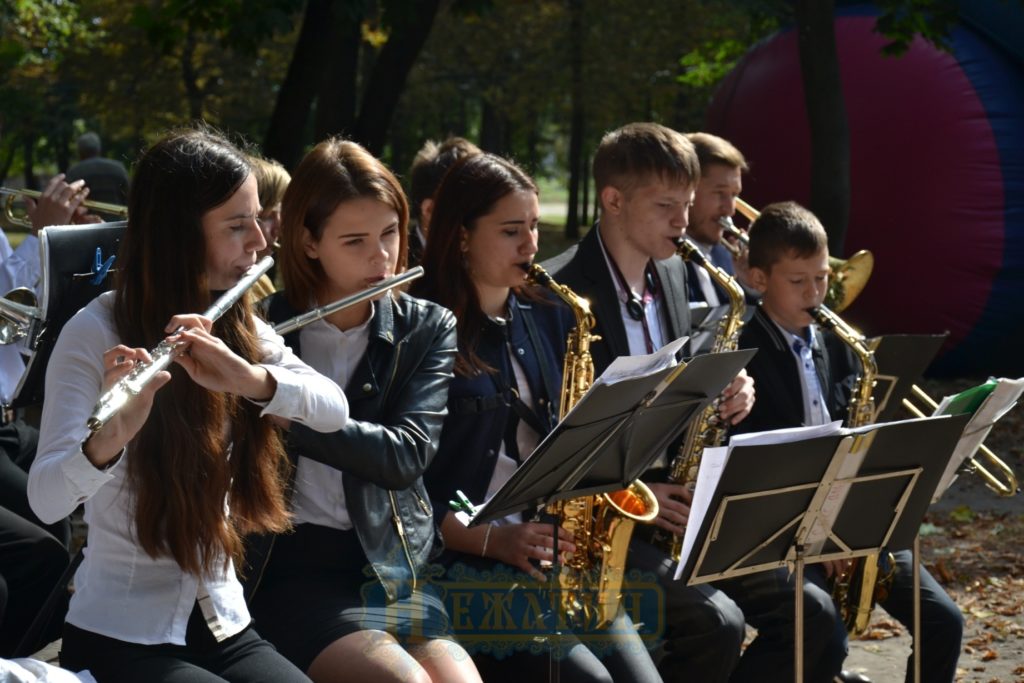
636,306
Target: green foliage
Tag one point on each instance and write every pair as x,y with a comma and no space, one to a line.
707,64
902,20
241,25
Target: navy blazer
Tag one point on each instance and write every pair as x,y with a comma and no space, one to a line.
479,407
583,269
776,375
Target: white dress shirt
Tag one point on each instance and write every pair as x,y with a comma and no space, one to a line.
319,496
18,268
635,328
120,591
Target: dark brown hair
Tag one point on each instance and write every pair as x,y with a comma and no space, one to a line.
431,163
333,172
198,448
782,229
631,154
469,191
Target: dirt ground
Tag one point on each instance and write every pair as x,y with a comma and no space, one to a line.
973,543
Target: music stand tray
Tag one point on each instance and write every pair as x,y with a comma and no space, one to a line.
838,496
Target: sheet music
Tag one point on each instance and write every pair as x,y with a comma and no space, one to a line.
712,463
626,367
1002,399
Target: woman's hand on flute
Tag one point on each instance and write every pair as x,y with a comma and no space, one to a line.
102,447
214,366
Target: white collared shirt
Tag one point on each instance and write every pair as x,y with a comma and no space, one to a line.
120,591
18,268
635,328
319,496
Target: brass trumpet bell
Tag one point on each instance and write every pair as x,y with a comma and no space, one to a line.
847,278
18,315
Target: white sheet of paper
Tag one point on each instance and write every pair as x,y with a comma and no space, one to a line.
712,463
1002,399
625,367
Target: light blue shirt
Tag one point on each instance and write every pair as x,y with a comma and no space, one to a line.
815,409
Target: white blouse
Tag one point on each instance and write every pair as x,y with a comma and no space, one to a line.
120,591
319,496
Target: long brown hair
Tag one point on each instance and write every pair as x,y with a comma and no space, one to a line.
333,172
469,191
198,449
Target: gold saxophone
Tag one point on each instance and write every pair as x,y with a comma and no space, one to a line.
708,429
854,590
601,526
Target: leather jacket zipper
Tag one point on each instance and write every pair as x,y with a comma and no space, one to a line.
423,504
401,535
394,371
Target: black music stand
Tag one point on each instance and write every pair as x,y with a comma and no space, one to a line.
614,434
704,322
609,439
839,496
901,360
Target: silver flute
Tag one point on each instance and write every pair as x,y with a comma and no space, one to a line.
312,316
142,374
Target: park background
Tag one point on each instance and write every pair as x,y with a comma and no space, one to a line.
894,121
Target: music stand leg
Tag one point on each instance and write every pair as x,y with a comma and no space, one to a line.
798,620
555,645
917,609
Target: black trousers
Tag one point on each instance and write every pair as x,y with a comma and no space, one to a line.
33,555
31,563
18,442
704,628
243,658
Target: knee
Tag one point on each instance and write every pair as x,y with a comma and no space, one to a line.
729,626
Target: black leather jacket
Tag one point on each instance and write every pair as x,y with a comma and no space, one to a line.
397,397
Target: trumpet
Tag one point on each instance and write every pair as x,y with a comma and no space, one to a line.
312,316
142,374
1006,487
12,195
847,277
19,316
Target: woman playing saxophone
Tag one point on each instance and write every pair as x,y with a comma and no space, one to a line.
504,399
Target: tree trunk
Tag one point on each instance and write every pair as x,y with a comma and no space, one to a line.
826,114
572,220
286,134
336,103
585,202
28,149
408,32
193,93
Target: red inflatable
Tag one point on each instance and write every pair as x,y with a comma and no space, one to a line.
936,142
